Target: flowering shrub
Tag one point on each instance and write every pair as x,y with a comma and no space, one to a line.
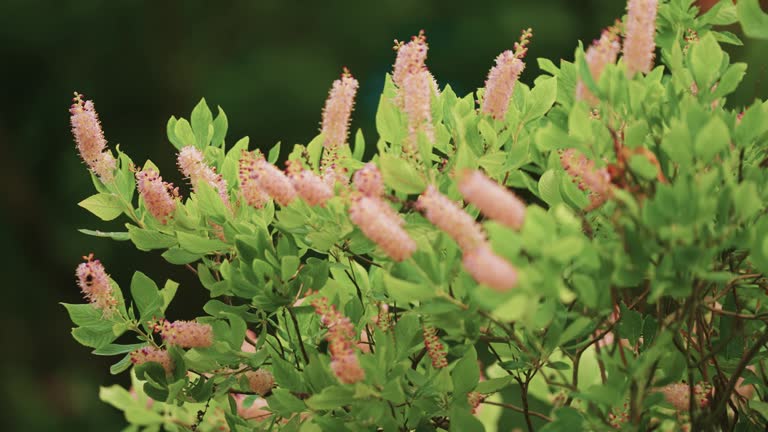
585,254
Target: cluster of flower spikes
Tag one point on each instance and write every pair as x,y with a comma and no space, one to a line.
435,348
588,177
90,140
160,198
336,115
601,53
192,165
153,354
341,342
478,258
502,78
260,381
94,282
185,334
415,85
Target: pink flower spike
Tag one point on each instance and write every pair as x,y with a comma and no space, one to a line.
261,381
500,84
90,140
337,112
490,269
601,53
193,166
587,176
151,354
494,200
274,182
341,344
639,44
382,225
410,58
450,218
368,180
309,186
250,189
94,282
159,197
187,334
417,105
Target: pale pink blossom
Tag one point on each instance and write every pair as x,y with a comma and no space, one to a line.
309,186
450,218
341,345
417,105
261,381
490,269
337,112
500,84
368,181
193,166
639,45
250,189
410,58
159,197
382,225
492,199
152,354
90,140
187,334
587,176
274,182
601,53
96,286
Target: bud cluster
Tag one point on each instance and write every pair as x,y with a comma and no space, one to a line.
261,381
382,225
309,186
435,348
492,199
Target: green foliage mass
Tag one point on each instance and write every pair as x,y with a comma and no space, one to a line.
660,286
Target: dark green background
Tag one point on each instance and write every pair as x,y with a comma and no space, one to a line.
269,63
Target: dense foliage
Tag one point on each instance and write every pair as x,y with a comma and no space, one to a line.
585,254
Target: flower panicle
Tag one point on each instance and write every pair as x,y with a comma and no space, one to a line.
417,104
96,286
490,269
493,200
336,115
382,225
368,181
152,354
186,334
411,58
435,348
601,53
639,44
341,342
250,189
309,186
588,177
90,140
521,47
159,197
192,165
451,219
501,83
274,182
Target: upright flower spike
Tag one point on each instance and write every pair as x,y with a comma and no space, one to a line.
341,344
336,115
411,58
94,282
450,218
250,189
152,354
187,334
382,225
417,105
588,177
435,348
639,45
159,197
490,269
502,78
193,166
494,200
601,53
90,140
274,182
309,186
368,181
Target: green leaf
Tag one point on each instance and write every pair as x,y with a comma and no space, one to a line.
466,373
359,149
184,134
754,21
220,126
641,166
706,57
493,385
712,139
462,420
746,200
121,366
549,188
114,349
630,325
179,256
404,292
284,403
541,99
119,236
104,205
147,240
170,130
86,315
401,175
199,245
146,295
274,153
330,398
722,13
288,266
201,119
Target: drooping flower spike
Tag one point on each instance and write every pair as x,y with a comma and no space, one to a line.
601,53
492,199
451,219
639,44
490,269
382,225
159,197
94,282
193,166
90,140
309,186
411,58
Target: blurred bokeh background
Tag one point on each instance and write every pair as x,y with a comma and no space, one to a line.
268,63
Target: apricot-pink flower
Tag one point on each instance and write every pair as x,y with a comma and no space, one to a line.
90,140
94,282
368,180
152,354
187,334
159,197
490,269
639,45
500,84
601,53
337,112
193,166
494,200
587,176
450,218
382,225
309,186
